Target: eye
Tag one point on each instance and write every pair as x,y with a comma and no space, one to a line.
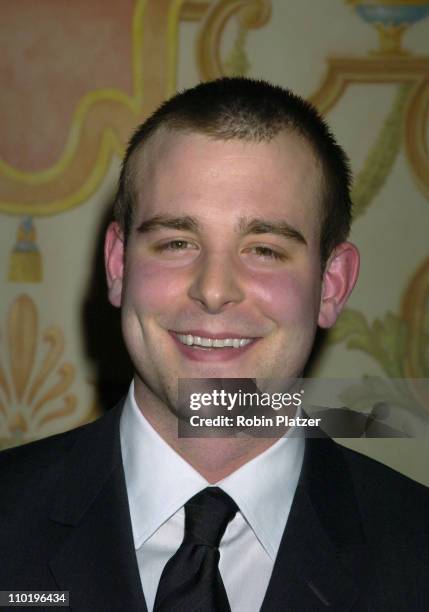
174,246
177,245
264,252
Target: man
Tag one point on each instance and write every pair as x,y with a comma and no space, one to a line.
228,250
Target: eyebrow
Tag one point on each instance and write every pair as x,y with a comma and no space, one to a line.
162,221
264,226
245,226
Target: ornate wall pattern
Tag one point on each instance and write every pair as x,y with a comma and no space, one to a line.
35,383
79,76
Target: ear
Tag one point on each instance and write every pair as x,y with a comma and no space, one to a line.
339,278
114,262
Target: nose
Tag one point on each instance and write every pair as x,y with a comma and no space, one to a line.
216,283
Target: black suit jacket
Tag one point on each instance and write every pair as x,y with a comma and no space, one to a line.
356,538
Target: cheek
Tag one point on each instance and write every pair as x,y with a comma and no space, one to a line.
285,297
150,286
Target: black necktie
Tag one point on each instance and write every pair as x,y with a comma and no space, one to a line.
191,581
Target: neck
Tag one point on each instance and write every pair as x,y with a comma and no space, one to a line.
213,457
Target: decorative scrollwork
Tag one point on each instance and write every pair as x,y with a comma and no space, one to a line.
250,13
415,129
380,160
409,71
414,310
34,389
101,122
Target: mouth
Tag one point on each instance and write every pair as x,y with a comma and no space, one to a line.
201,346
206,342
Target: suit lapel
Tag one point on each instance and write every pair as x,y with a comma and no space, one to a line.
322,559
97,561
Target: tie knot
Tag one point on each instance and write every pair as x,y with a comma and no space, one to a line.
207,515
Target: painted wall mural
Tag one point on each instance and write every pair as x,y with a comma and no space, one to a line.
78,77
35,383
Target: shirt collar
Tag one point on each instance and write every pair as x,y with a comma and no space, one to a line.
159,481
264,488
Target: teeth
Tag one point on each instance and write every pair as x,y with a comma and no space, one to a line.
191,340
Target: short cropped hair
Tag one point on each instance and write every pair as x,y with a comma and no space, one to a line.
254,111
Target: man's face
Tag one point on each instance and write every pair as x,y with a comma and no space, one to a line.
225,246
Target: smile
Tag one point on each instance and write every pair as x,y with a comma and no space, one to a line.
190,340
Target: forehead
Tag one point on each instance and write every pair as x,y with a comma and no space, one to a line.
187,169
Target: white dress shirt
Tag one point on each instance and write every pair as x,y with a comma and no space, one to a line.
159,483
